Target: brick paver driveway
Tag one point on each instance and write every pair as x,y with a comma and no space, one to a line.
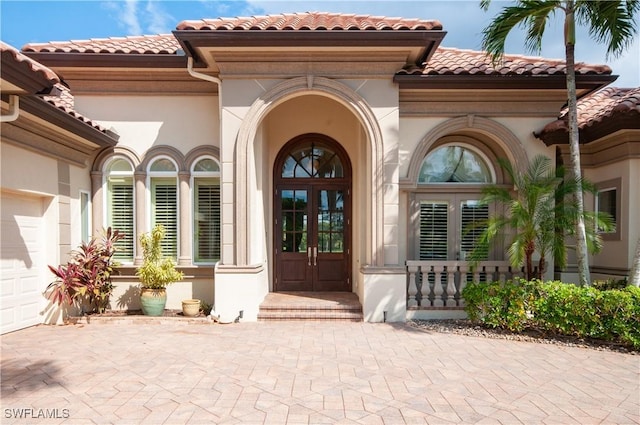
312,372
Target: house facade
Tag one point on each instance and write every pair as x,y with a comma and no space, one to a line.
305,152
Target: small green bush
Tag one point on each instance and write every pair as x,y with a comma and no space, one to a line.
559,308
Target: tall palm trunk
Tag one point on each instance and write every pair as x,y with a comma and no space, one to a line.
634,274
574,144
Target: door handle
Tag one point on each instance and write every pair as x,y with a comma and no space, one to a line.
309,256
315,255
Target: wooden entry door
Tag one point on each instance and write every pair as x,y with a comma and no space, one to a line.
312,220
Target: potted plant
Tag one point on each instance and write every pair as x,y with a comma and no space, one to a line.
85,281
155,273
191,307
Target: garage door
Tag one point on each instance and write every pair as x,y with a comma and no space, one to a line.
21,261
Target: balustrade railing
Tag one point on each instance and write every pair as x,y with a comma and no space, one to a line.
440,283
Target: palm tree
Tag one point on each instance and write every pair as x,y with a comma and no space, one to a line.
609,22
539,209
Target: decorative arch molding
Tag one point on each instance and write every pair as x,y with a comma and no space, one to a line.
247,133
201,151
107,154
482,126
163,150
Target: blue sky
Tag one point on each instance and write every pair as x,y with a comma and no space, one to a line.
27,21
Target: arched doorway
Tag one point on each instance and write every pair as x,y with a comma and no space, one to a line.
312,225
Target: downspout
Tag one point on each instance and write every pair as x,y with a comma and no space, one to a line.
14,109
218,82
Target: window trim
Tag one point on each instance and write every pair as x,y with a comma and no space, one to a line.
607,185
85,237
106,175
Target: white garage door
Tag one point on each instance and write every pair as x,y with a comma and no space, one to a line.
21,262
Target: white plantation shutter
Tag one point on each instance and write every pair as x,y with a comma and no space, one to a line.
207,220
434,222
471,212
164,210
120,215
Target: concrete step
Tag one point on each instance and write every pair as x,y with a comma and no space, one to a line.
295,306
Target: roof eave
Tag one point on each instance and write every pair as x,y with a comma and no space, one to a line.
20,74
589,82
108,60
48,112
426,41
593,132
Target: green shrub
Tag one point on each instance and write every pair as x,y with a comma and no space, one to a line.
506,305
559,308
606,284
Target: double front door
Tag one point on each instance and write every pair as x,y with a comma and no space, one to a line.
312,243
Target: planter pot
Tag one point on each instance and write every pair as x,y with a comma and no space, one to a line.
153,301
190,308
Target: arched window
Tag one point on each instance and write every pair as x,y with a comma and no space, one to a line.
448,219
205,174
120,205
162,175
455,164
312,161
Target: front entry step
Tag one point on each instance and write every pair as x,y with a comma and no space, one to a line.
317,306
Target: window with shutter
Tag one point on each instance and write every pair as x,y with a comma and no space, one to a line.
471,214
206,223
164,210
434,223
120,215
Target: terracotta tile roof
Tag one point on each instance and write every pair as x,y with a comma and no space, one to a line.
29,65
601,113
607,103
65,102
451,61
313,21
161,44
60,97
445,61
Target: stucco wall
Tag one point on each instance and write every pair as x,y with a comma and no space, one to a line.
142,122
618,253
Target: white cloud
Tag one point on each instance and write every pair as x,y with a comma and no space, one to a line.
157,19
129,16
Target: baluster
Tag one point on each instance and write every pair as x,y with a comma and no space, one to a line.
437,286
420,286
412,288
464,273
502,276
451,287
476,273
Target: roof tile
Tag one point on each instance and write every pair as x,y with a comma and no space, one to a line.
33,66
160,44
311,21
608,103
451,61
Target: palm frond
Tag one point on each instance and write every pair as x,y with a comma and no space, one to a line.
529,14
613,23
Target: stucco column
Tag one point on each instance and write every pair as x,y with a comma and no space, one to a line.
184,209
140,212
97,202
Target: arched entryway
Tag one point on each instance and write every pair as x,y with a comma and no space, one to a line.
312,216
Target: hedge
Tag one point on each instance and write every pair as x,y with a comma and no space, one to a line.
556,307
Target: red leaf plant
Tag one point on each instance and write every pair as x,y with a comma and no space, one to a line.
86,278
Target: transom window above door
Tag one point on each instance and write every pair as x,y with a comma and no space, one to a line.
313,161
455,164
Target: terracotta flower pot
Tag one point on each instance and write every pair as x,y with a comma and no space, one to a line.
190,308
153,301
